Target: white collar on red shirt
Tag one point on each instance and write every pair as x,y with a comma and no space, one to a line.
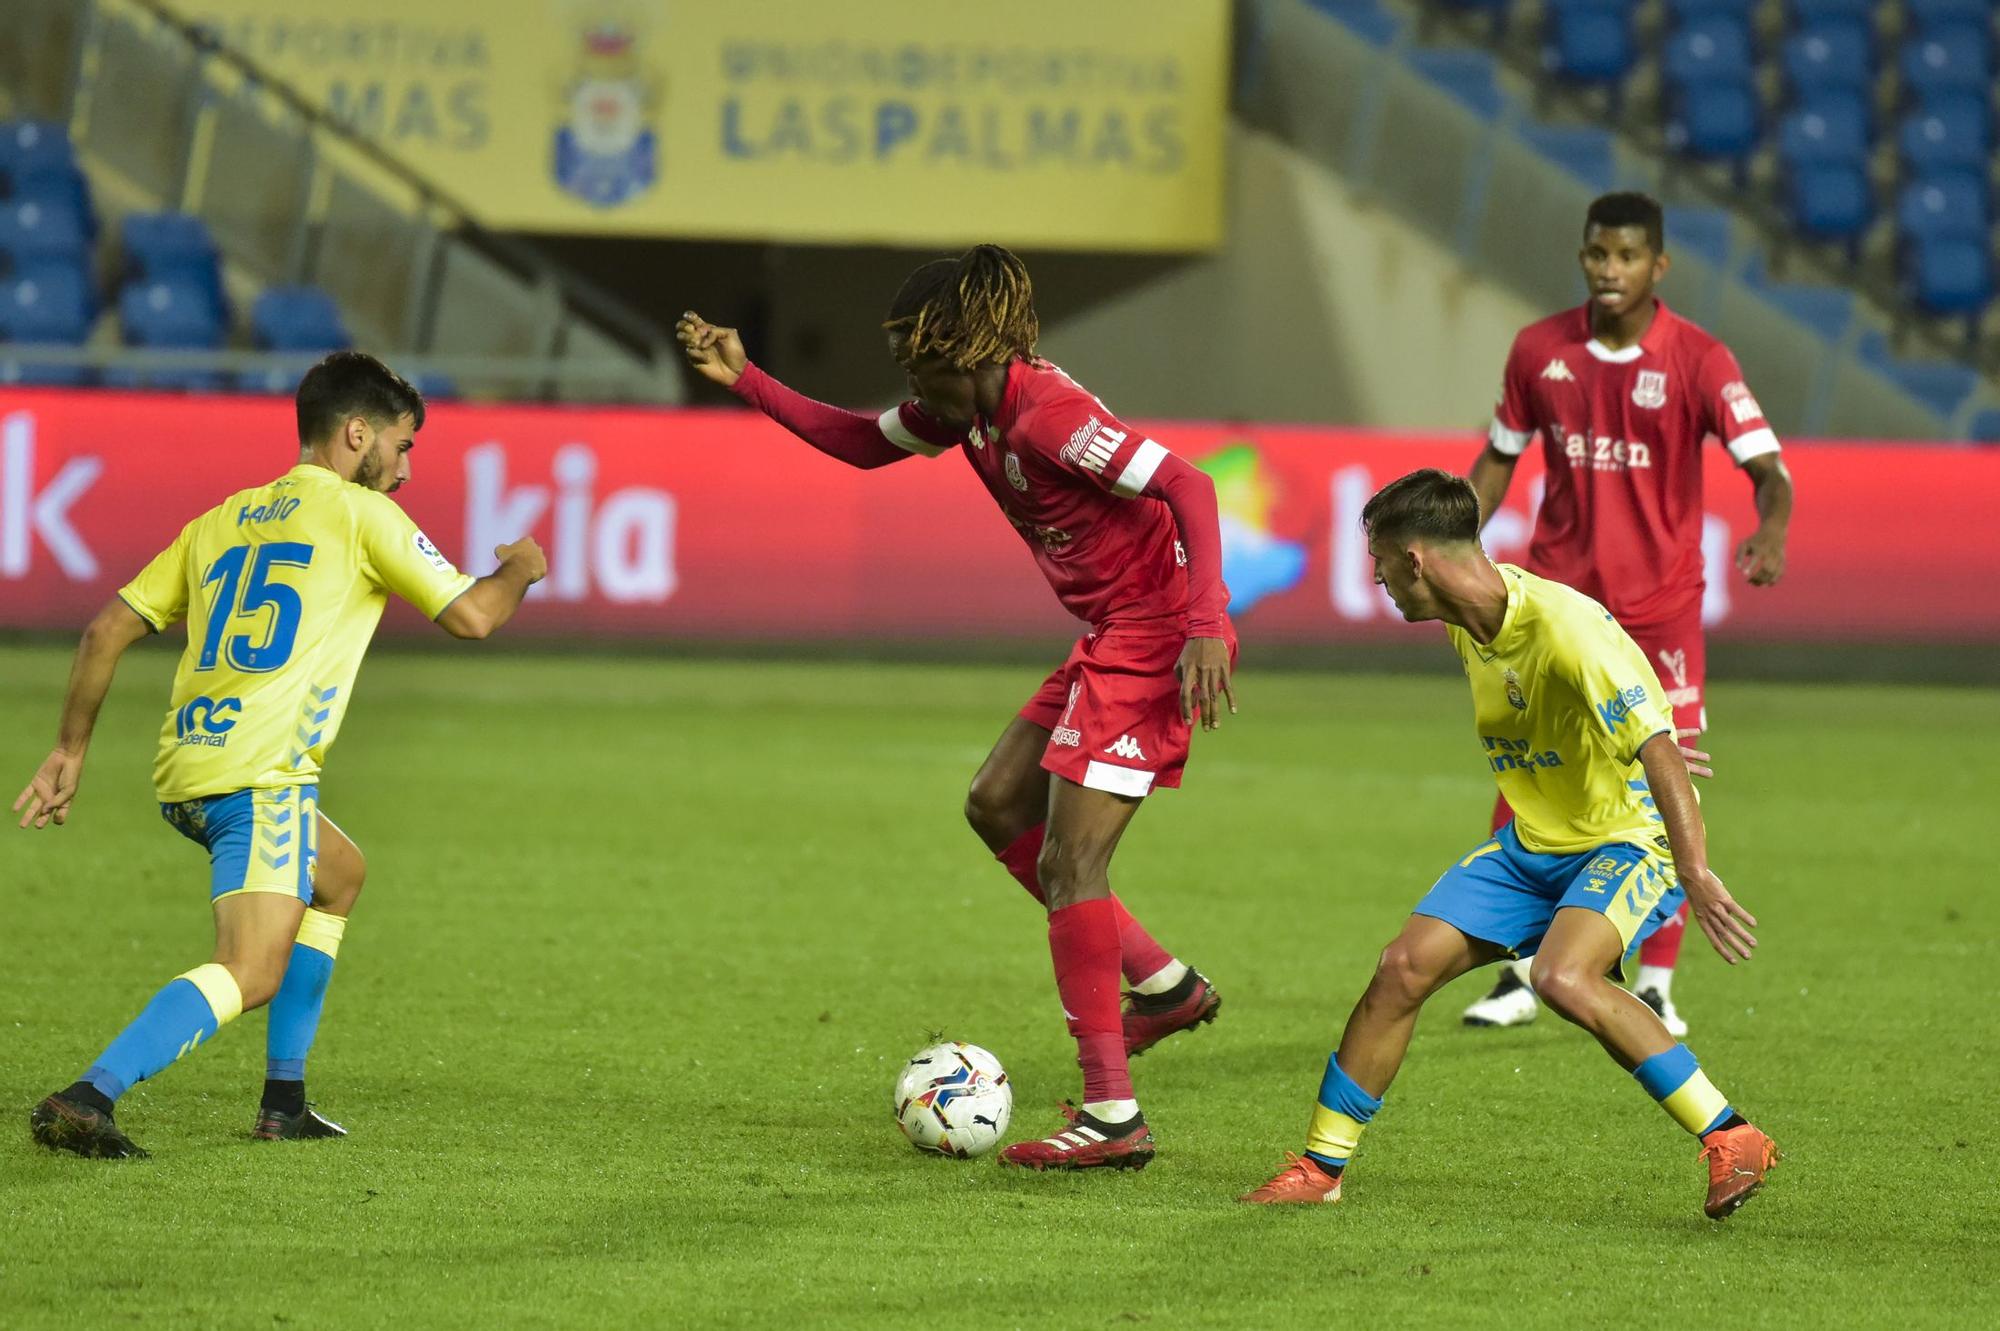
1655,333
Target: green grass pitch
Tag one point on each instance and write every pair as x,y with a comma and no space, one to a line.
645,942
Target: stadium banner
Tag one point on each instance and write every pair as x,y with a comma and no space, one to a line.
717,525
1044,123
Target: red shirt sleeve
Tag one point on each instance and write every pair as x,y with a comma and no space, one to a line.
1729,410
854,437
1514,415
1078,433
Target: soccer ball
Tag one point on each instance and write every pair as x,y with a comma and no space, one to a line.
953,1098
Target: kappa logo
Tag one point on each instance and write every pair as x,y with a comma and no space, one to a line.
1012,466
1558,370
1650,390
1126,747
1676,663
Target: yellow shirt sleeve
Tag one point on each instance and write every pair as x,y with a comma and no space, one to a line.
1617,684
400,559
159,595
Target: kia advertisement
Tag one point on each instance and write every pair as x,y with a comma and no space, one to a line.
718,525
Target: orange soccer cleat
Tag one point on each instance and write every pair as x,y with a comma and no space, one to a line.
1738,1159
1301,1181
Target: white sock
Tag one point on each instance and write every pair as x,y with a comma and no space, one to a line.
1163,979
1657,978
1520,968
1112,1111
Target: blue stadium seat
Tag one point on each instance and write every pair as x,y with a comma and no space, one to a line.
1815,11
1828,131
1716,119
1708,49
1829,57
177,246
1830,202
1927,15
1951,134
1986,426
1681,12
1949,277
292,319
1949,206
27,146
436,387
1589,41
42,229
49,304
170,312
297,319
1951,60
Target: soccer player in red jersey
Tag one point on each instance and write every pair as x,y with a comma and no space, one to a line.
1128,536
1623,392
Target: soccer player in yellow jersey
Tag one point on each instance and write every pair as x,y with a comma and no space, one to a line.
281,587
1605,840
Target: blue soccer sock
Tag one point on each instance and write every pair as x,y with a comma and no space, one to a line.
1343,1110
1684,1090
189,1010
295,1011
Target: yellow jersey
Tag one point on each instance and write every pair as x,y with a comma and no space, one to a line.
281,587
1563,700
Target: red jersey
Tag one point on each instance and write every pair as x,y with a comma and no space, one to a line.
1070,475
1622,433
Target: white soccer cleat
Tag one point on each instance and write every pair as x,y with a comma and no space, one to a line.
1663,1007
1511,1003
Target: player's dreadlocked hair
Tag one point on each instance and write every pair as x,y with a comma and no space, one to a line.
977,309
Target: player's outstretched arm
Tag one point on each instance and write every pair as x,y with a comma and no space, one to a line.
1727,924
490,602
854,437
1761,557
53,787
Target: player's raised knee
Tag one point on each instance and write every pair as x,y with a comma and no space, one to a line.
1561,983
1403,973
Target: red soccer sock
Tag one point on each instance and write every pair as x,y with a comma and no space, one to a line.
1663,949
1019,859
1501,812
1139,956
1083,942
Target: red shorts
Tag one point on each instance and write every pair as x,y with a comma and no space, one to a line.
1113,710
1678,654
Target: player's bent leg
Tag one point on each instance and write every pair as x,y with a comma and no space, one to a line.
283,1113
1571,974
1424,957
1009,795
1074,869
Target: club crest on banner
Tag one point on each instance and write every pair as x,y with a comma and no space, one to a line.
606,148
1650,391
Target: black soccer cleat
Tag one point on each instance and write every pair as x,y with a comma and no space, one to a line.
275,1125
65,1125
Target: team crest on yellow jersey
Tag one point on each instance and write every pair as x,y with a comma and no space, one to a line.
1514,693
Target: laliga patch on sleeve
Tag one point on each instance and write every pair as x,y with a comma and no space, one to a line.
430,552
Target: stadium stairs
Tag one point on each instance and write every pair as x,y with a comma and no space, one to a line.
172,218
1490,124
